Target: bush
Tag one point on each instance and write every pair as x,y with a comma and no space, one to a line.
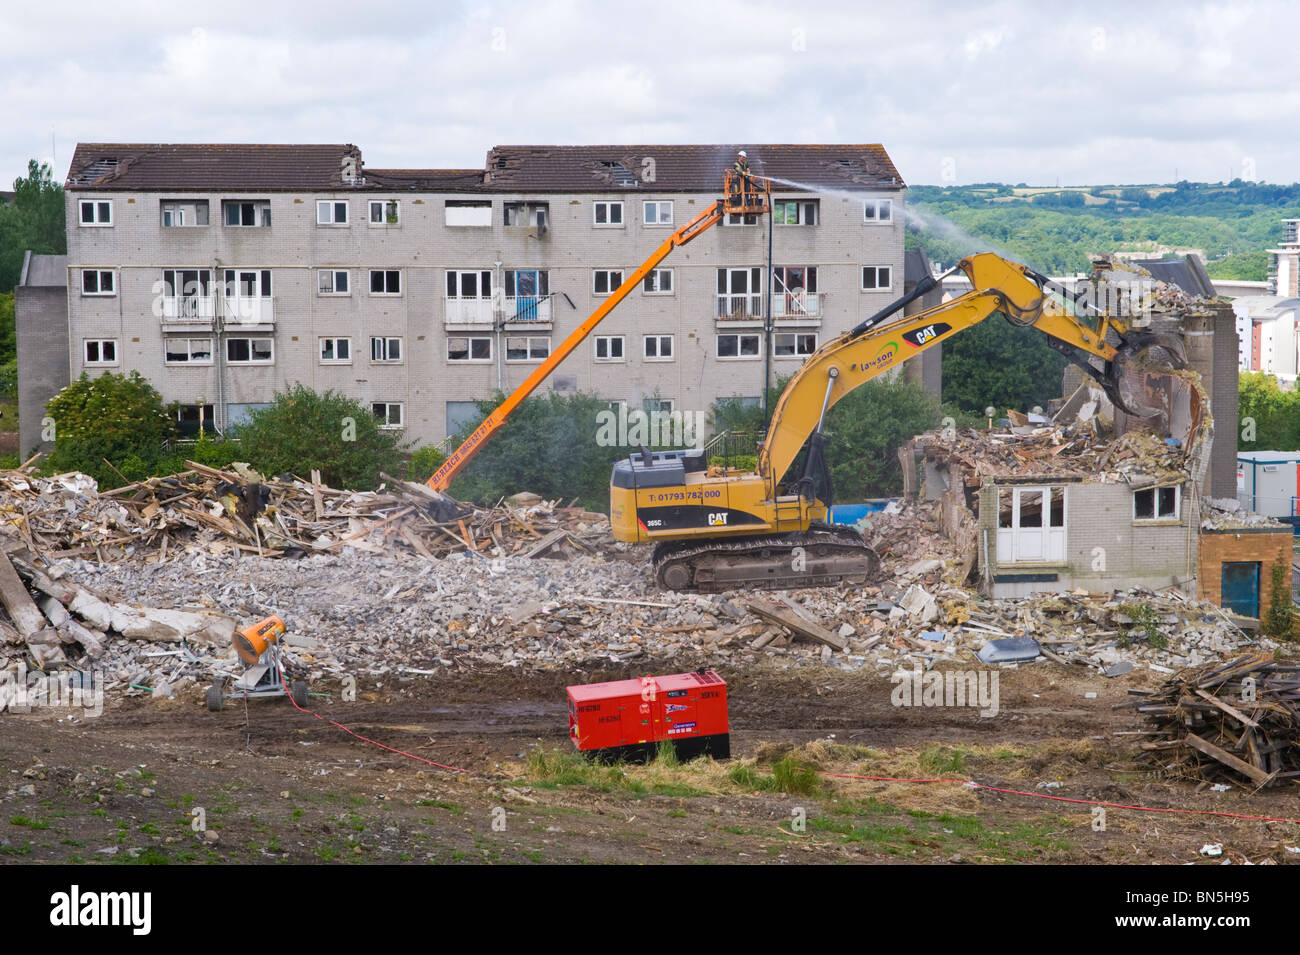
1277,620
115,418
302,430
553,446
9,379
424,462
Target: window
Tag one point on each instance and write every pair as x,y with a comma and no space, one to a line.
468,213
794,292
740,294
97,282
653,406
532,215
336,351
96,212
469,349
793,344
385,349
385,282
475,284
187,351
333,282
1156,503
527,349
739,346
607,213
609,348
604,281
658,282
248,213
657,347
249,351
735,218
1031,525
385,212
184,213
389,413
329,212
795,212
102,351
658,213
876,278
878,210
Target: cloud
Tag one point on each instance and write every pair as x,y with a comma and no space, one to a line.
1104,92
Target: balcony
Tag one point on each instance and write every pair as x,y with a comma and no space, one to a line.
252,310
469,310
188,309
797,306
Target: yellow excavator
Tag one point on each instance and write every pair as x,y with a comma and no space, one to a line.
721,528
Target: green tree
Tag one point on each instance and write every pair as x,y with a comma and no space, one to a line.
1000,364
33,221
867,427
302,430
8,347
1269,417
558,446
118,418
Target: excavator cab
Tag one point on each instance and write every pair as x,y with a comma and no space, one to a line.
744,196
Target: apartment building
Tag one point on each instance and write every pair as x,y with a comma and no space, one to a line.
226,273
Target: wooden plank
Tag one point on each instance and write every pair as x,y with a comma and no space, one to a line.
1254,774
793,621
1236,714
22,609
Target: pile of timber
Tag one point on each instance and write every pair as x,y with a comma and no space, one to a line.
238,509
1227,722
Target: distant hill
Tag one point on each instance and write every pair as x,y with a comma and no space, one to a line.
1054,230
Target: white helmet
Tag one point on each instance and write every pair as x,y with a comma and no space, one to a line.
742,152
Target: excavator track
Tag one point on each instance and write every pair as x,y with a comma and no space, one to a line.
819,557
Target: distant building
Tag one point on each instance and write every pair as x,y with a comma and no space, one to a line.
1284,262
1267,336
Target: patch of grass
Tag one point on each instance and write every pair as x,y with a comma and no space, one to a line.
676,813
29,823
149,828
666,754
23,850
943,760
99,812
150,856
441,804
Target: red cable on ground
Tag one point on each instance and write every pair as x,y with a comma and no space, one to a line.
364,739
1085,802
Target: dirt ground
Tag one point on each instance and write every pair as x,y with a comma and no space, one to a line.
266,783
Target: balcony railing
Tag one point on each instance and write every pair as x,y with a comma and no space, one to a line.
788,305
745,307
527,308
188,308
469,310
258,310
508,308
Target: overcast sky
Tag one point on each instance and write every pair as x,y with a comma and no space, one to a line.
1036,92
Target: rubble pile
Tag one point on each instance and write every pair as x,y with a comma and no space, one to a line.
393,614
64,516
1073,451
1237,721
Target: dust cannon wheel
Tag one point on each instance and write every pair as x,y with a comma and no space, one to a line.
299,692
215,699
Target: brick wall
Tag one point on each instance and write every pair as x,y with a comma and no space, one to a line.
1218,547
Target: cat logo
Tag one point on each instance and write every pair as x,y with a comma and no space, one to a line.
920,336
718,519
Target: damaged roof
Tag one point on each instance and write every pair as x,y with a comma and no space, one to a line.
209,167
697,168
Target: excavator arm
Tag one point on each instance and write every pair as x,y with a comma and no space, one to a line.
877,345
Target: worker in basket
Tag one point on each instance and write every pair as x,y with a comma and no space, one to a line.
741,177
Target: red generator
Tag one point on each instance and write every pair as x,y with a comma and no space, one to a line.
628,719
